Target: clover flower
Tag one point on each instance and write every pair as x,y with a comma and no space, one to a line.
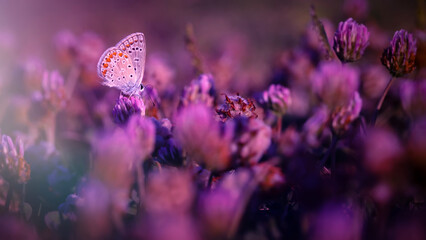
201,90
314,128
200,135
126,107
141,132
277,98
350,40
335,84
53,90
343,116
399,58
235,106
251,139
13,166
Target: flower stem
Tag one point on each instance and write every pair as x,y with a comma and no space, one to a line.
379,105
8,198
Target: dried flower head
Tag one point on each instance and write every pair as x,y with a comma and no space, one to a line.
53,90
335,84
277,98
13,166
235,106
350,40
399,58
126,107
201,90
343,116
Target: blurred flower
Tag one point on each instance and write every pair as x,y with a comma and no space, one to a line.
350,40
200,135
141,131
169,192
382,151
288,141
217,208
277,98
357,9
13,228
13,166
126,107
252,138
343,116
114,155
235,106
65,43
274,178
374,80
90,46
399,58
335,83
315,127
159,73
53,91
33,70
416,142
165,227
201,90
69,207
413,96
101,208
337,223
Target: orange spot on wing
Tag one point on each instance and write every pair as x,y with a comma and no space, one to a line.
114,53
104,72
127,45
120,54
105,65
125,56
108,59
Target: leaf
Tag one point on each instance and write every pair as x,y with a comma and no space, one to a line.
322,34
52,220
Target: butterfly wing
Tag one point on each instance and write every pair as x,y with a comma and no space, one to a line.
116,69
135,46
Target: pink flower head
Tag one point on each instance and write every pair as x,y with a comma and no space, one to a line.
343,116
335,84
277,98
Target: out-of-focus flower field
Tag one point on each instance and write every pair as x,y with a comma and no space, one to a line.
258,120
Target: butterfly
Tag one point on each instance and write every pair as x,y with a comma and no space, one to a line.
122,66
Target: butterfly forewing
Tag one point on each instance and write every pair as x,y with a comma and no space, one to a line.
134,45
116,69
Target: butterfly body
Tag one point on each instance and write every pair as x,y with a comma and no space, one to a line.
122,66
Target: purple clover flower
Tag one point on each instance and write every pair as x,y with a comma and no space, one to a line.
201,90
350,40
399,58
252,138
53,90
13,166
199,134
277,98
126,107
335,83
345,115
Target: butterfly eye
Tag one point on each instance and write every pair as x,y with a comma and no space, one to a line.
141,87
